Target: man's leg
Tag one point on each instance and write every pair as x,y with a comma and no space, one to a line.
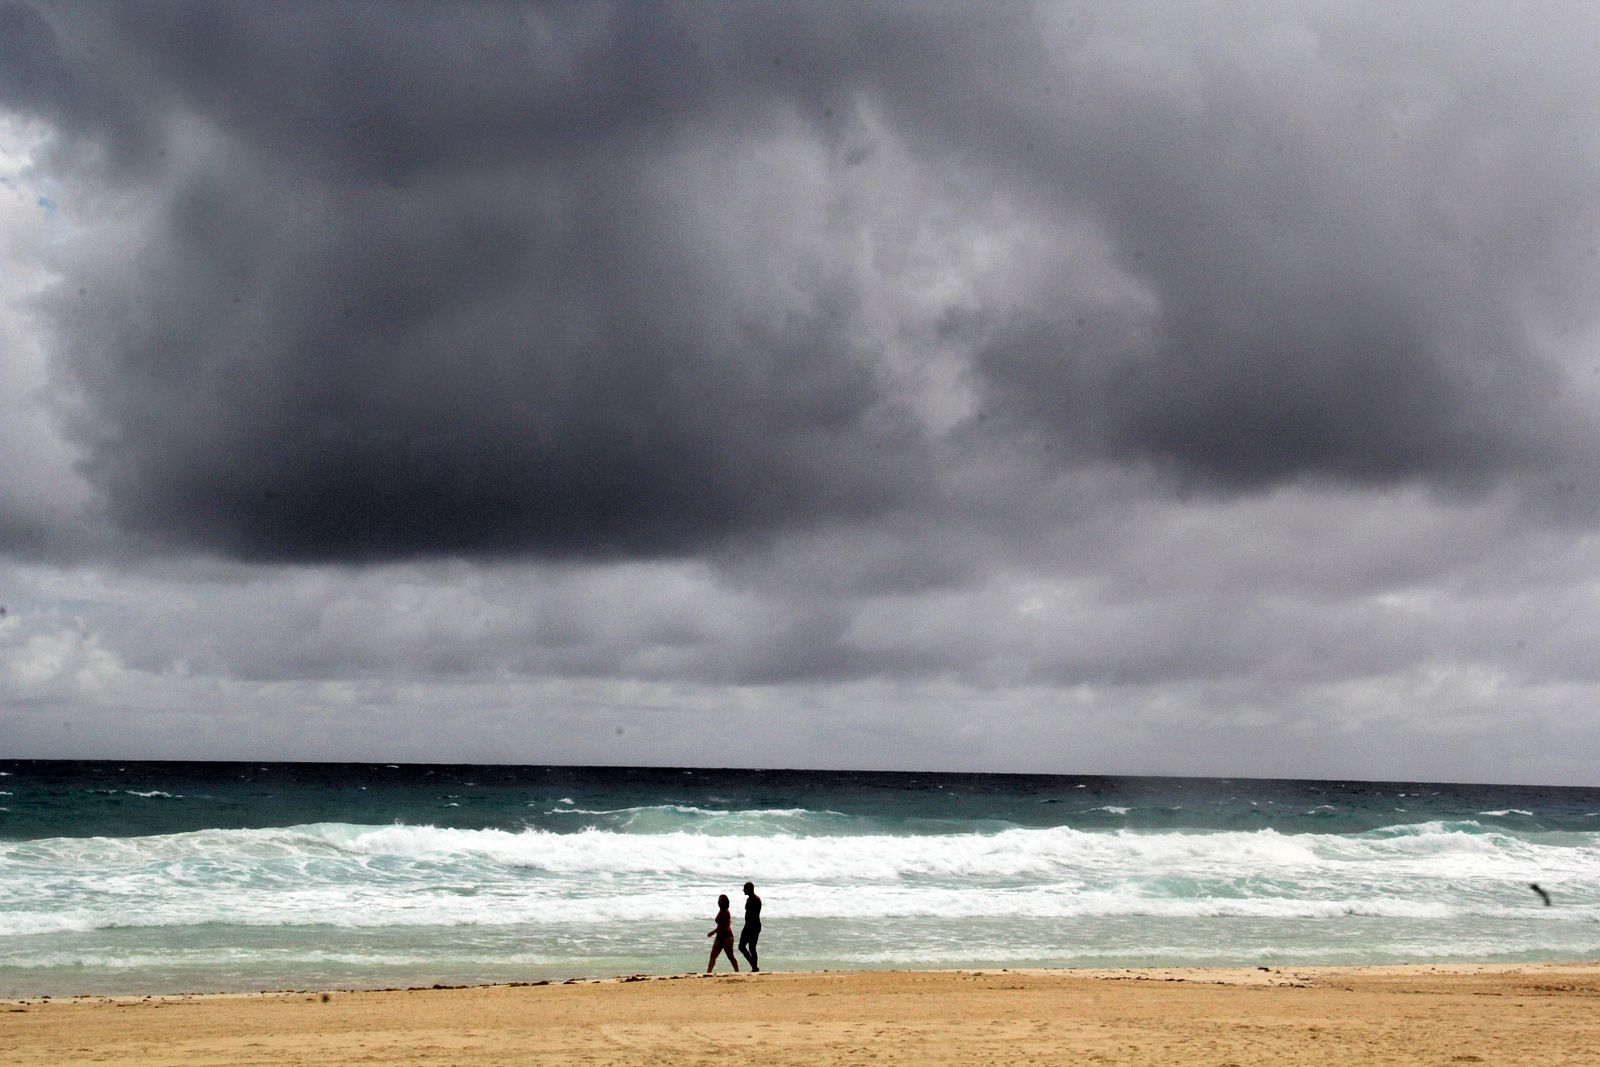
747,947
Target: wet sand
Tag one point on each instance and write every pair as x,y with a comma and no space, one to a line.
1539,1014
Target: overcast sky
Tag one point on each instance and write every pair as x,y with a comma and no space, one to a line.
1081,388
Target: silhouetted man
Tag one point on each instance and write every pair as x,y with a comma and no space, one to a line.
750,932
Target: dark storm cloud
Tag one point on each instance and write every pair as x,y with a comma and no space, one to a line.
1343,225
409,282
403,280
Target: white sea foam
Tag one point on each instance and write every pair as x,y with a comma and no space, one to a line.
352,876
1503,812
15,923
379,907
1420,829
747,814
1007,854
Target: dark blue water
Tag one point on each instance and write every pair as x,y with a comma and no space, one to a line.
122,799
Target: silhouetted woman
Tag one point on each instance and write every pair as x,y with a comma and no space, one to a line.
723,932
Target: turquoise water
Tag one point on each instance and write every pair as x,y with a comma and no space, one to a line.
169,877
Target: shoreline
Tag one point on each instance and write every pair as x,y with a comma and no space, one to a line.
1395,1014
1242,975
1285,975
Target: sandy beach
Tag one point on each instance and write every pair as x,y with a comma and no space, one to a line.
1547,1014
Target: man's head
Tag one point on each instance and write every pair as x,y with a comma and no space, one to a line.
749,888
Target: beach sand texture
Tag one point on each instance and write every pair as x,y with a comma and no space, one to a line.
1535,1014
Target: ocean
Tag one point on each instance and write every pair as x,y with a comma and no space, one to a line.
199,877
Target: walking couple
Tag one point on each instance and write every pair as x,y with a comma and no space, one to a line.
748,934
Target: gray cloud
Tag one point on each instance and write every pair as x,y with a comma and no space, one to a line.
579,280
1342,250
1154,385
409,319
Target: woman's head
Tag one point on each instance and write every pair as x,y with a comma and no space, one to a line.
722,901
